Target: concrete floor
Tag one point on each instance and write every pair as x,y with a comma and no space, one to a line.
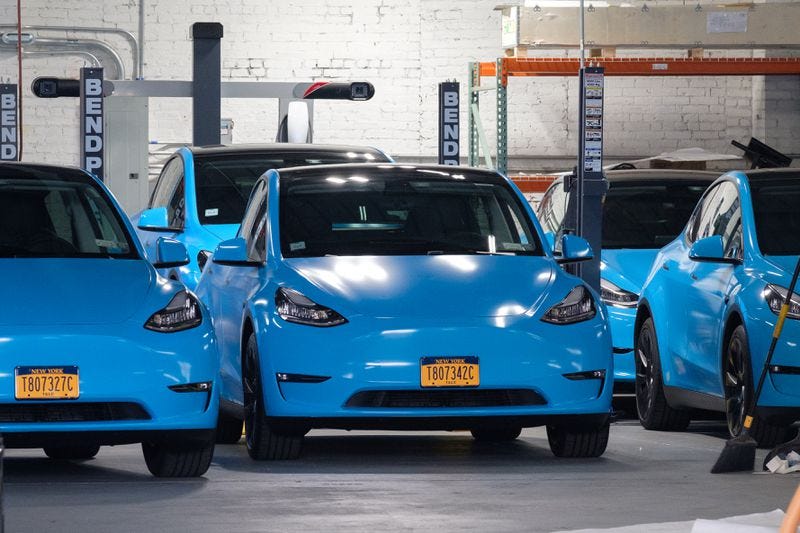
396,482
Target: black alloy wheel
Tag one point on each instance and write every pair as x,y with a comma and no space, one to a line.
736,375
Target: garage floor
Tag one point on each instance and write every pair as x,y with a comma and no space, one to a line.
396,482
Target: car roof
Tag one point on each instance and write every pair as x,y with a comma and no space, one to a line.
281,148
400,169
767,173
659,174
39,171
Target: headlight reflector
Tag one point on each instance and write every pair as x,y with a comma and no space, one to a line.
613,295
293,306
182,312
774,296
577,306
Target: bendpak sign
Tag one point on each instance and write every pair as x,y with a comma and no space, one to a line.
8,122
448,123
92,120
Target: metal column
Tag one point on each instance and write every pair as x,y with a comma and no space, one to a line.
474,78
207,82
502,117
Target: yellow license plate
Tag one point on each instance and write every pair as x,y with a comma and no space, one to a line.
46,383
449,372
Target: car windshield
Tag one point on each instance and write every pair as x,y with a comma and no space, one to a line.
223,182
775,205
402,212
48,212
648,215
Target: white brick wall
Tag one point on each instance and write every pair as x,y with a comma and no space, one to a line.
404,49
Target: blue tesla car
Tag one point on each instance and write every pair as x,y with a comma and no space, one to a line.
643,210
707,311
404,297
201,193
96,347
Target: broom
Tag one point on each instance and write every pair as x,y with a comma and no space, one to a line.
739,453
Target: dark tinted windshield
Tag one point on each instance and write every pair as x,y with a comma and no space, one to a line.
402,212
44,214
648,215
224,182
776,203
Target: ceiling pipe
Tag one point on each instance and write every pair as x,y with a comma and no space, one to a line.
140,49
93,59
128,36
78,46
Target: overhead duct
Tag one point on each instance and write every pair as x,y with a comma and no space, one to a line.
81,47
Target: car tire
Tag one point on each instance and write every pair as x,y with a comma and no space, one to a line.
75,452
651,404
178,458
574,443
739,391
496,435
263,442
229,429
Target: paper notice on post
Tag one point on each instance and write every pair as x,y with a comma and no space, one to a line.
726,22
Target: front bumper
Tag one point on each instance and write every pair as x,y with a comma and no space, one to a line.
125,372
383,355
621,321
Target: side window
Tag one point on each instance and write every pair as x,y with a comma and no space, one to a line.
253,225
728,219
169,192
553,208
700,223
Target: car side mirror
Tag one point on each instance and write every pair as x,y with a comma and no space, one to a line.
170,253
710,250
202,258
154,219
233,252
574,249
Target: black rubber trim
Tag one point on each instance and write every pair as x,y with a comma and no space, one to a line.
422,423
784,369
72,411
103,438
681,398
444,398
284,377
621,351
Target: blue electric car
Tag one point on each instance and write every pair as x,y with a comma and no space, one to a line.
201,193
643,210
707,311
404,297
96,347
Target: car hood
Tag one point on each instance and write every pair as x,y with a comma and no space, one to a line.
627,268
442,286
778,269
72,291
222,231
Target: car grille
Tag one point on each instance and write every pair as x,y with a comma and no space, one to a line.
72,412
446,398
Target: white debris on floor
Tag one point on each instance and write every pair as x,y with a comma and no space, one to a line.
752,523
784,465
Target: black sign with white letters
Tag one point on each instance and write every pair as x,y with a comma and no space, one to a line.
448,123
92,121
8,122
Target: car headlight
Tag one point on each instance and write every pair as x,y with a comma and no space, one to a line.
293,306
577,306
613,295
774,296
182,312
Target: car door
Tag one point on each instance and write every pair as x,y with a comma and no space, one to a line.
168,193
232,286
676,275
710,287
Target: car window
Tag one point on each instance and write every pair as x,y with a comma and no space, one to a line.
647,214
727,218
223,181
553,208
51,217
700,223
401,212
777,217
169,192
253,226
